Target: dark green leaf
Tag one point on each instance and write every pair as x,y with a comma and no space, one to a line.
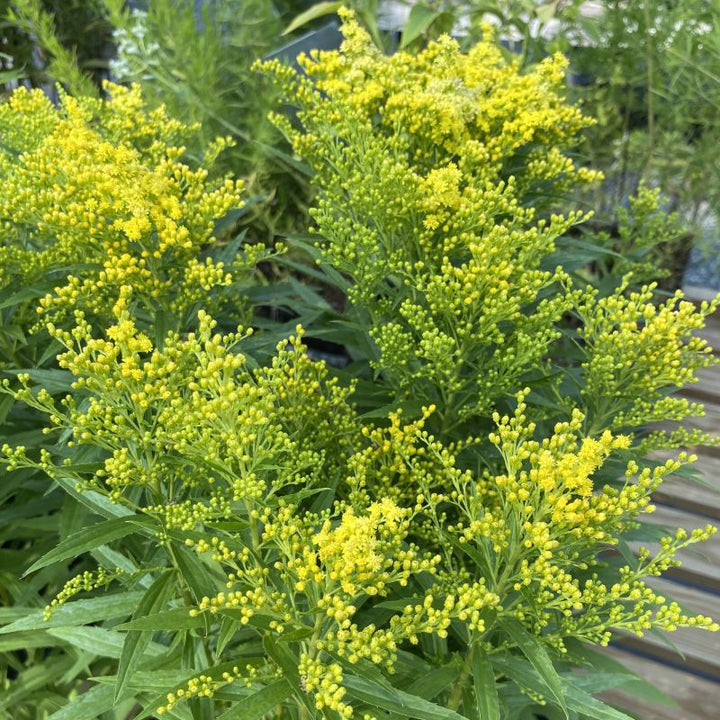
525,675
88,706
136,641
396,701
434,682
193,572
258,704
175,619
54,381
537,655
486,696
91,538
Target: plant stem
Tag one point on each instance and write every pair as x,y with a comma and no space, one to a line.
456,692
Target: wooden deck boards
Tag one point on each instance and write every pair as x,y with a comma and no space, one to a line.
693,497
692,676
697,698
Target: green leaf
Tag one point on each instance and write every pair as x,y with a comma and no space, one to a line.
95,501
27,293
525,675
89,539
6,402
95,640
597,682
434,682
420,19
79,612
258,704
486,695
288,663
284,658
585,704
396,701
312,13
537,655
175,619
546,12
136,641
54,381
194,573
228,628
30,683
88,706
633,683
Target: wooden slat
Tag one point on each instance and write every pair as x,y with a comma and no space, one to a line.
707,388
697,294
700,648
709,423
697,697
700,562
711,332
691,496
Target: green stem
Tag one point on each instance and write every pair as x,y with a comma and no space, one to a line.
457,688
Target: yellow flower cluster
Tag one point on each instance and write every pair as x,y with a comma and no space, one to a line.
535,530
635,350
414,541
100,186
422,203
204,686
323,681
84,582
206,408
431,170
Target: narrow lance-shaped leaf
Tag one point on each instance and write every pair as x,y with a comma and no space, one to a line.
420,19
312,13
136,641
90,538
78,612
486,695
524,674
396,701
537,655
258,704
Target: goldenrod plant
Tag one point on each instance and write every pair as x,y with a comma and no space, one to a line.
96,195
193,59
297,556
439,175
438,530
